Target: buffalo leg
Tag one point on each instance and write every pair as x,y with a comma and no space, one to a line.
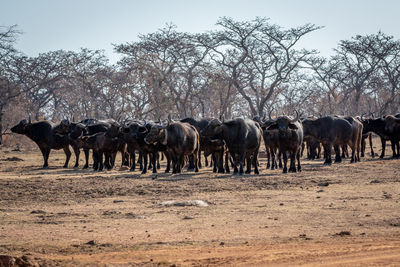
86,151
298,161
199,159
284,162
144,159
255,160
45,154
292,167
168,163
96,162
106,160
213,156
363,145
140,161
191,163
338,158
178,163
393,143
220,159
154,159
133,161
77,153
328,154
100,160
248,162
353,153
383,141
370,145
274,164
196,161
241,162
158,160
227,170
68,156
235,169
113,156
280,159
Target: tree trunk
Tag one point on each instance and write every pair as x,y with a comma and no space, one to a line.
357,98
1,124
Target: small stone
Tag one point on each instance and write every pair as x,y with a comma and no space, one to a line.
38,212
343,233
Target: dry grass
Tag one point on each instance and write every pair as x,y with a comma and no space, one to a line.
344,214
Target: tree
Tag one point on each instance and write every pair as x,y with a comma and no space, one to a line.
9,87
358,59
260,57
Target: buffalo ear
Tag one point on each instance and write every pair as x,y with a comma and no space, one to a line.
142,129
163,137
218,129
273,126
293,126
30,119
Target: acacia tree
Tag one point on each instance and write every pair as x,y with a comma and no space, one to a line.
358,59
325,79
41,75
154,57
260,57
9,87
389,55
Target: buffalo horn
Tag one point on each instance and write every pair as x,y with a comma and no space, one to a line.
269,115
297,116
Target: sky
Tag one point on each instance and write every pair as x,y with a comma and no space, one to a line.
49,25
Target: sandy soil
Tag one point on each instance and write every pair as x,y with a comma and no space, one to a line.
339,215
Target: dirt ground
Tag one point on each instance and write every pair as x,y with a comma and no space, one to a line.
339,215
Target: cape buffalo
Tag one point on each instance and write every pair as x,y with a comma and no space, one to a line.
42,133
290,137
242,137
181,139
331,131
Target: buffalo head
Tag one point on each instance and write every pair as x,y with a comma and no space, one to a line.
133,129
158,133
21,127
284,124
213,128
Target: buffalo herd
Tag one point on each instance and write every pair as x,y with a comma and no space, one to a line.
231,143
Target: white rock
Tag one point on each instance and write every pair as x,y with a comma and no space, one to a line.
198,203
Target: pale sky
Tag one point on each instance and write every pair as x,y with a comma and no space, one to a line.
49,25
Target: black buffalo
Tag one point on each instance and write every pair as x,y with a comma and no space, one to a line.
392,128
243,139
74,130
290,139
134,134
331,132
43,134
180,139
378,126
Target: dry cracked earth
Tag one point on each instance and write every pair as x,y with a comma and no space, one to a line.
340,215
